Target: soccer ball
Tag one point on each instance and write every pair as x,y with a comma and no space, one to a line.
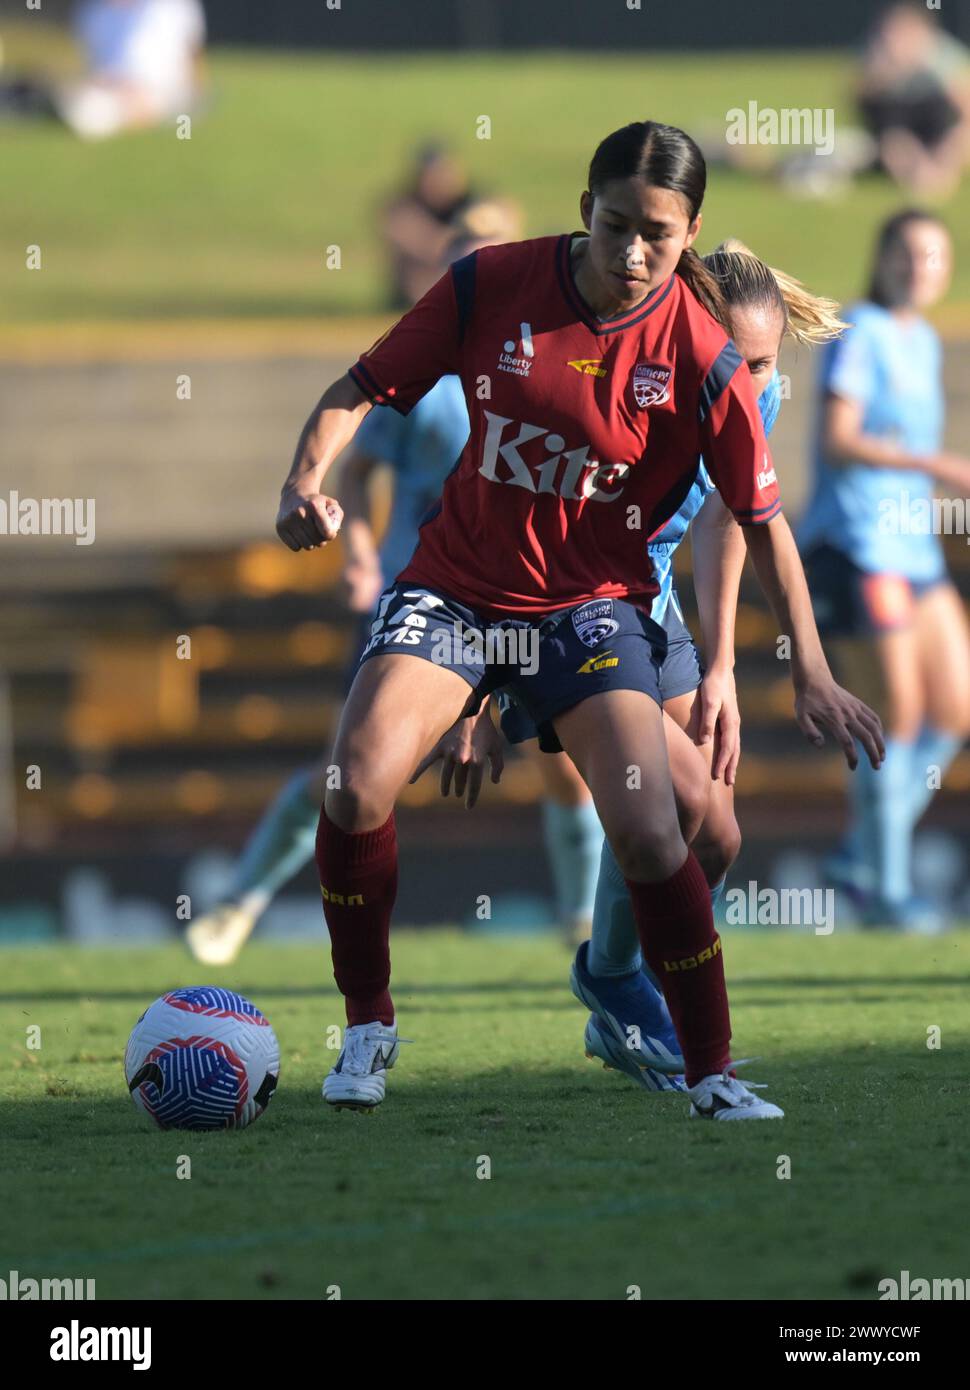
202,1058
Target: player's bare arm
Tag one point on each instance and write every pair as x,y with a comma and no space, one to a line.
718,552
846,443
819,701
363,578
307,518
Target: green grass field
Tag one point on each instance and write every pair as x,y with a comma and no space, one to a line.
595,1185
297,151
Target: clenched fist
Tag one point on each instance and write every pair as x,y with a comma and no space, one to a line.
306,522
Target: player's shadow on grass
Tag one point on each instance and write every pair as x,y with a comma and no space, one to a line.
260,989
404,989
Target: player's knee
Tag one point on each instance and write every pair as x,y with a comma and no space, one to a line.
355,807
646,854
716,853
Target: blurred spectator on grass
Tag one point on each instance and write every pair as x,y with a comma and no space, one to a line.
419,223
143,65
913,92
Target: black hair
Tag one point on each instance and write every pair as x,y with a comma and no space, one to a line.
892,274
663,156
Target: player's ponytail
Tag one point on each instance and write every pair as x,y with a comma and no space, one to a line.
703,285
663,156
744,280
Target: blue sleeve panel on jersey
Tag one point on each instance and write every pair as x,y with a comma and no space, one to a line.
670,504
463,274
718,379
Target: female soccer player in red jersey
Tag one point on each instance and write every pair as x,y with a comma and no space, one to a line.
701,718
531,569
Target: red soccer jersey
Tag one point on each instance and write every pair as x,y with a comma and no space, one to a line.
586,434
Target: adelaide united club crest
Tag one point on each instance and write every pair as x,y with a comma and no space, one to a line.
651,384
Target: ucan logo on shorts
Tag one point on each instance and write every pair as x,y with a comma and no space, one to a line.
594,622
650,384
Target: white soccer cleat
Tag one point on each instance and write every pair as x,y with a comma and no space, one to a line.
358,1079
726,1098
218,936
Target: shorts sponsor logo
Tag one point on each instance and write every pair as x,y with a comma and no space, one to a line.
588,366
692,962
651,384
594,622
598,663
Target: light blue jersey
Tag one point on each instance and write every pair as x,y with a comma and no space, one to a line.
661,548
893,369
421,447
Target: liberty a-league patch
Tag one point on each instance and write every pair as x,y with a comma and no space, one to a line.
650,384
594,622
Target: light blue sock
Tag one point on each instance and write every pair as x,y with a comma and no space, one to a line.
881,805
282,842
614,947
573,837
933,750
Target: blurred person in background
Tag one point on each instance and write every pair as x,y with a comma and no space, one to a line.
876,568
421,223
420,449
913,92
143,64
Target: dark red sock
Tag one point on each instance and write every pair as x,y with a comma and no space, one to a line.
358,879
676,929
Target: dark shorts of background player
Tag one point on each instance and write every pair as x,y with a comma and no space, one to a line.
849,602
928,115
558,660
680,673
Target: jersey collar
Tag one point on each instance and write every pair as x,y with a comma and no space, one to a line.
617,322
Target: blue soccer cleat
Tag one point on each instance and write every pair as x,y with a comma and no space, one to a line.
634,1013
617,1057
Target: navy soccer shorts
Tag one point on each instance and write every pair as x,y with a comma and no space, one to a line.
679,673
548,665
849,602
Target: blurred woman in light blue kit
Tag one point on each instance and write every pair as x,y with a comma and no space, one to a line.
875,562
